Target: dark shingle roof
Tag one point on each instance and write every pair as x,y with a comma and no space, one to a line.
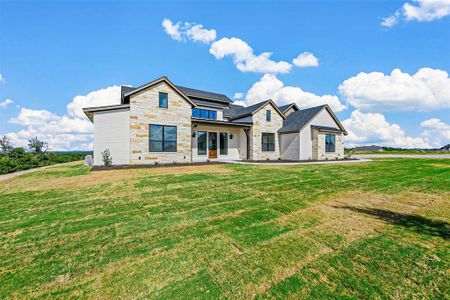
245,111
296,120
193,93
210,103
233,111
123,90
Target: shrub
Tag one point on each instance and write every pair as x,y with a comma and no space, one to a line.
106,158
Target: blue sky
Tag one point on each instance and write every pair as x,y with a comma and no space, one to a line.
52,52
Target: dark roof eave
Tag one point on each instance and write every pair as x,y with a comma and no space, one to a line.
225,123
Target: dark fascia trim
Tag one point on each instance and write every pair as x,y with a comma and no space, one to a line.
89,111
156,81
259,108
288,131
212,105
224,123
326,129
290,106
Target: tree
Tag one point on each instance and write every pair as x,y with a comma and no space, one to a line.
36,145
5,144
106,157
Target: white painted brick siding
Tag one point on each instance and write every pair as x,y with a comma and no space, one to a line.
112,131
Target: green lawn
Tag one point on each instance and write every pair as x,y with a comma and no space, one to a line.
371,230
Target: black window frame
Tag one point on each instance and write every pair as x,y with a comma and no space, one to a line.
330,144
267,146
206,143
221,143
268,115
167,100
206,114
163,141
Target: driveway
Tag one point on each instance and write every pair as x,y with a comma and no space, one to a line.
427,156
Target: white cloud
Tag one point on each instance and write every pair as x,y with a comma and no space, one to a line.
426,90
306,59
2,79
71,131
245,59
238,95
373,128
5,103
419,10
270,87
106,96
436,132
172,29
188,31
199,34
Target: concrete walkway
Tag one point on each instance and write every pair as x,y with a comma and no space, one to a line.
325,162
427,156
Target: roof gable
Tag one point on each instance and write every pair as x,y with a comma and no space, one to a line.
252,109
131,92
296,121
286,107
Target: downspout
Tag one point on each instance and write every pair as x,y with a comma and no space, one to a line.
246,130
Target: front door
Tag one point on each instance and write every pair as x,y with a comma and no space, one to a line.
212,144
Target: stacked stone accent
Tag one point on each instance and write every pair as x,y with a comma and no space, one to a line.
260,125
145,110
318,146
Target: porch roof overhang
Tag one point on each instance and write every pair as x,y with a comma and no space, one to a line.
221,123
328,129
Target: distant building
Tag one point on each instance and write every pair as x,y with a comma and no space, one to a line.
368,148
446,148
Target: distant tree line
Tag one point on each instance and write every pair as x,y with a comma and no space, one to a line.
13,159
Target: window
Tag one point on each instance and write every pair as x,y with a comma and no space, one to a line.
330,145
162,138
163,100
268,115
201,142
268,142
223,143
204,114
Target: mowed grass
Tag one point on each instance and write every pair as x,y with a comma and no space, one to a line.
370,230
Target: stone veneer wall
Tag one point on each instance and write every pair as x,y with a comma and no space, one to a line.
260,125
144,110
318,146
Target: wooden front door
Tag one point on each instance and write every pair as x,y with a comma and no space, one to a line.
212,144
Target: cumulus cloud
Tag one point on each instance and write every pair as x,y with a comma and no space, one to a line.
436,132
2,79
71,131
426,90
188,31
244,58
373,128
419,10
306,59
5,103
238,95
270,87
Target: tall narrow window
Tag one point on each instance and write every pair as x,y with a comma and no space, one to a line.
201,142
162,138
330,145
268,142
163,100
268,115
223,143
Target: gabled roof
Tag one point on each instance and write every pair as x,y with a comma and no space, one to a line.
252,109
153,83
194,93
286,107
296,121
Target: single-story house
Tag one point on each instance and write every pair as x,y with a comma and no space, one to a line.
160,122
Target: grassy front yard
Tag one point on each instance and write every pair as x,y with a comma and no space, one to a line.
378,229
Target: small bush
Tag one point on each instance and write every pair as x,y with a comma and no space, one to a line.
106,158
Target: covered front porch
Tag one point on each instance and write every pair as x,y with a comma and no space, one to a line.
219,141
